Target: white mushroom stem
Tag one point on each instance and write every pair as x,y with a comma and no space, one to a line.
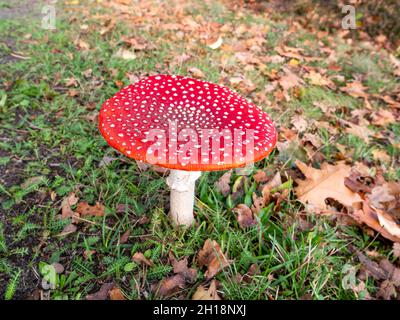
182,185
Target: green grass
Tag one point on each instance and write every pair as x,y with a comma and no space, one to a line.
49,146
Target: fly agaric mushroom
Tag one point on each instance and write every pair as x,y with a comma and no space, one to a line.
188,126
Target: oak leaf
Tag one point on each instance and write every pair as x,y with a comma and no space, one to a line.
207,294
327,183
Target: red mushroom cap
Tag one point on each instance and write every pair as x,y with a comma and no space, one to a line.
186,124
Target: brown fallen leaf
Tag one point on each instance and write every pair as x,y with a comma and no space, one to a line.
85,209
299,123
383,118
223,183
116,294
181,267
207,294
102,294
66,211
171,285
381,156
289,80
212,257
396,249
196,72
317,79
355,89
68,229
138,257
377,220
124,238
245,216
320,185
360,131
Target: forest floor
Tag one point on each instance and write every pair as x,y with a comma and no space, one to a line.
285,231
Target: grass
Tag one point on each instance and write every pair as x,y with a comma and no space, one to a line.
50,146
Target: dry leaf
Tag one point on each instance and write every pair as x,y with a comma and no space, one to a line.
317,79
102,294
196,73
369,216
124,238
223,183
383,118
355,89
66,211
138,257
206,294
171,285
289,80
320,185
181,267
69,228
116,294
212,257
396,249
85,209
245,216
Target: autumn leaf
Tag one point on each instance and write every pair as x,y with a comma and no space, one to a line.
196,72
116,294
320,185
245,216
102,294
212,257
181,267
207,294
138,257
85,209
66,211
355,89
171,285
378,220
223,183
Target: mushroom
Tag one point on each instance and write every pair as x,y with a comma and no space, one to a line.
188,126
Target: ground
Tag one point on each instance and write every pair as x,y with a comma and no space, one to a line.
333,94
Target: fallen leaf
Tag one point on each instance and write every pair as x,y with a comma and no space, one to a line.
181,267
138,257
317,79
102,294
320,185
380,195
299,123
363,213
355,89
223,183
69,228
289,80
245,216
171,285
196,73
360,131
124,238
396,249
85,209
116,294
207,294
383,118
212,257
66,211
